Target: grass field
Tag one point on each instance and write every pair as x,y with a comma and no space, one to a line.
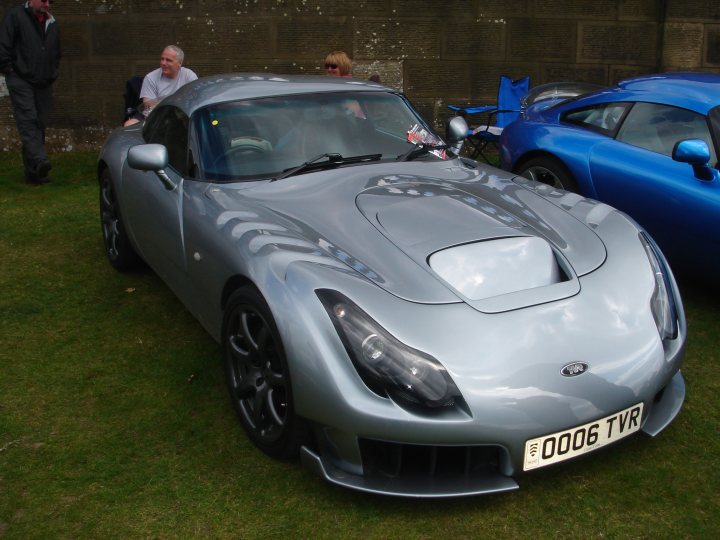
114,421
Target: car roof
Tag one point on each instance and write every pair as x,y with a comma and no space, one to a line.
698,92
239,86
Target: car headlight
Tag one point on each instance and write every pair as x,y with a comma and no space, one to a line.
387,366
662,303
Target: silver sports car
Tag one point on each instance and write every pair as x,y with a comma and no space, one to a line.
407,321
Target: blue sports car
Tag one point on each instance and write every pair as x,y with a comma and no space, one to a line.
648,146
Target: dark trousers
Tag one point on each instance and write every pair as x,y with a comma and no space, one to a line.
31,108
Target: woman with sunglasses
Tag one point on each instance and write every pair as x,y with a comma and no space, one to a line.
338,64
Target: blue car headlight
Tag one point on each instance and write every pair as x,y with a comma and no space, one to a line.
387,366
662,302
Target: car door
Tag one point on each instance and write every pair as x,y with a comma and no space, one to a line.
636,173
154,212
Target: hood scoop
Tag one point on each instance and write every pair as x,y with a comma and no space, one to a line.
492,259
485,269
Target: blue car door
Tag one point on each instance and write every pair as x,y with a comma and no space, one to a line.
636,173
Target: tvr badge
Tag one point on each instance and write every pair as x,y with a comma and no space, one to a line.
574,369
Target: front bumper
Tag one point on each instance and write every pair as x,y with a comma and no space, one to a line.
424,471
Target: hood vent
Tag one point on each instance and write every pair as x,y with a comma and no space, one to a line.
491,268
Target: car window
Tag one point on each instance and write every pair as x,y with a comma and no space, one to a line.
714,117
169,126
603,118
659,128
248,139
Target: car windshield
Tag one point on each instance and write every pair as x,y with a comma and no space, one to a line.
261,138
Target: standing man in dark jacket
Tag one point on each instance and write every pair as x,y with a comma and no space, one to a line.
29,59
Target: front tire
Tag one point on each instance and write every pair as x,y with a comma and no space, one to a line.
119,252
257,375
548,170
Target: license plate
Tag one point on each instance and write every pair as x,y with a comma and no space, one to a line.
570,443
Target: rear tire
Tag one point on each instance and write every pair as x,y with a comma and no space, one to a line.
119,252
550,171
258,377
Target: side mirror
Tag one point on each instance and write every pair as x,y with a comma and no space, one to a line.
457,130
697,153
151,157
148,157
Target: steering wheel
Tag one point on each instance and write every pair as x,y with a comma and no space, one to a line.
255,146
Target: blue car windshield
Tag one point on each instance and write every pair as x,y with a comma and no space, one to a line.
261,138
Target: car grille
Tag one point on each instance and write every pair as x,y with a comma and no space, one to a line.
430,463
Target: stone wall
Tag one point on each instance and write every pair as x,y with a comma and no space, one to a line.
437,52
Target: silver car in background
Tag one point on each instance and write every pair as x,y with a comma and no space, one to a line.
407,321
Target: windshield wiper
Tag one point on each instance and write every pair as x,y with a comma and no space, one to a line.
333,160
420,150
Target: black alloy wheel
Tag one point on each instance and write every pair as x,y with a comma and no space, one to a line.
257,375
119,252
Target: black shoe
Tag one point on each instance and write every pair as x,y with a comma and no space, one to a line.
42,169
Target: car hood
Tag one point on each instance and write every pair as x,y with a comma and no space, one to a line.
393,222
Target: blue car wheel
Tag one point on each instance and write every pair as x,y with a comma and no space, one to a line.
549,171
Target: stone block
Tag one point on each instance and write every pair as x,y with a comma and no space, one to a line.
626,43
278,67
572,9
595,74
99,78
426,78
396,39
712,46
7,120
71,112
88,8
390,72
638,10
427,109
74,39
10,141
204,68
143,67
444,9
342,7
177,8
474,39
502,9
207,8
224,38
130,36
312,38
683,45
532,39
708,10
64,83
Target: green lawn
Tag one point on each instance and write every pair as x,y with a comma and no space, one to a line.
114,420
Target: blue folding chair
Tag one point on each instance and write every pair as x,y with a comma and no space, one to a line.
506,111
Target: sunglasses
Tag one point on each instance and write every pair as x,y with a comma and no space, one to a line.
46,1
331,66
